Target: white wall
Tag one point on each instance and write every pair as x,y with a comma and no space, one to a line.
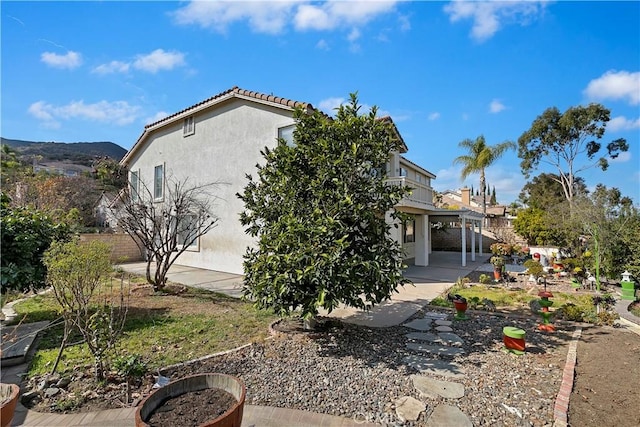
226,145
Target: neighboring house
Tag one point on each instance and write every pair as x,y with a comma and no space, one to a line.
220,139
105,214
497,215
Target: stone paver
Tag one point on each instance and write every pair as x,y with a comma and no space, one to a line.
438,367
450,338
419,324
435,349
448,416
436,315
423,336
431,387
409,408
444,329
440,322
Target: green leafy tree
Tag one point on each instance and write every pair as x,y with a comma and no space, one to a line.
561,139
111,175
539,227
76,272
479,157
26,234
545,190
318,211
605,218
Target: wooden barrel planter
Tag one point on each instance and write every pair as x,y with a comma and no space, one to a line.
10,393
231,418
513,339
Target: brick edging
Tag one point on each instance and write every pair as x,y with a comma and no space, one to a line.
561,407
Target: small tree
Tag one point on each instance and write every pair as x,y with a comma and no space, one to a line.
318,211
76,272
166,229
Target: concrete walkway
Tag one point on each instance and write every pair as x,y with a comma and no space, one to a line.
428,282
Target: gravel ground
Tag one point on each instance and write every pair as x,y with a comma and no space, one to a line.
358,372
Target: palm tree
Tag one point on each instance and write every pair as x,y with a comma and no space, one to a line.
480,157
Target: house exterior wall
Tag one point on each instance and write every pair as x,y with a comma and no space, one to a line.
226,145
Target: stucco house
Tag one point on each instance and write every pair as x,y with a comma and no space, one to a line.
220,139
497,215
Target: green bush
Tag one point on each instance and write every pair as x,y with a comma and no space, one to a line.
485,279
26,234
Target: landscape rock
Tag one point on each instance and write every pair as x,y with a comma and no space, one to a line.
430,387
448,416
409,408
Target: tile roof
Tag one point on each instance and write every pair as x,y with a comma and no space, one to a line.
241,93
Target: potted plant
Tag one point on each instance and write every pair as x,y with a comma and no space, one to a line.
9,399
498,264
221,415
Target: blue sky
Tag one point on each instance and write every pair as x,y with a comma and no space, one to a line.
444,71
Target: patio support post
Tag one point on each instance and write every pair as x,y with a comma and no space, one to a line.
463,230
480,238
422,242
473,240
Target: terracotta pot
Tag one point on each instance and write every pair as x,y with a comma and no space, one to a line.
497,274
9,406
460,306
231,418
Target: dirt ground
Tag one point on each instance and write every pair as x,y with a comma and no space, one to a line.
607,385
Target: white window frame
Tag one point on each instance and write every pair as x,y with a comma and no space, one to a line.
403,171
195,246
158,188
188,126
409,225
134,188
286,128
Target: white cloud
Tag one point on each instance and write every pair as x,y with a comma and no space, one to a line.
112,67
434,116
615,85
496,106
70,60
622,123
354,35
489,17
118,112
335,14
329,105
272,17
322,45
623,157
156,117
263,17
159,60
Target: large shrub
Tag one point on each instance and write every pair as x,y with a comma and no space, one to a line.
26,234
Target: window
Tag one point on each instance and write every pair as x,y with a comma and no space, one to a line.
418,177
158,182
134,183
409,231
286,133
403,172
186,231
189,126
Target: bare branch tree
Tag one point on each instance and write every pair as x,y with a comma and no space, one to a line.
165,228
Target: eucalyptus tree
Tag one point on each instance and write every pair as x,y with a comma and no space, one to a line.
561,139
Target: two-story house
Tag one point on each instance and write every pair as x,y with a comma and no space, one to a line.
220,139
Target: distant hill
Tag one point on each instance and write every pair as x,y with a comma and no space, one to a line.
80,153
